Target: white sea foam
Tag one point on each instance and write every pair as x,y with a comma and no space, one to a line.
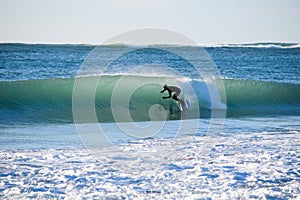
257,165
255,45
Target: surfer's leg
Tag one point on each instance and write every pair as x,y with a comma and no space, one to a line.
177,92
181,101
175,97
182,104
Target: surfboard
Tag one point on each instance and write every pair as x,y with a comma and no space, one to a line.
183,104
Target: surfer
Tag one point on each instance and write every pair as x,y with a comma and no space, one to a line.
183,104
172,89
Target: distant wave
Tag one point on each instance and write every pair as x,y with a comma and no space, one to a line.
121,45
257,45
247,45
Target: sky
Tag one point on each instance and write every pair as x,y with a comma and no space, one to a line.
95,21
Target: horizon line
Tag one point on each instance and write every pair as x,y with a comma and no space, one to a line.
162,44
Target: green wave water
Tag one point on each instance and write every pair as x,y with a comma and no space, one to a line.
50,100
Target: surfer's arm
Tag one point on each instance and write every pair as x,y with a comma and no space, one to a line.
163,90
170,95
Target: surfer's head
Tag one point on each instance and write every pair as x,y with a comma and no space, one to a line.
165,86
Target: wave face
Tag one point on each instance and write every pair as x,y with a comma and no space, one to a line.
248,97
50,100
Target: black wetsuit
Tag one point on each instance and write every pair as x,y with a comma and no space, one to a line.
171,89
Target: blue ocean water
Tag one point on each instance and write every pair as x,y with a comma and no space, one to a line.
266,62
255,154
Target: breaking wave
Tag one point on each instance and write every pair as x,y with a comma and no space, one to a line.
50,100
